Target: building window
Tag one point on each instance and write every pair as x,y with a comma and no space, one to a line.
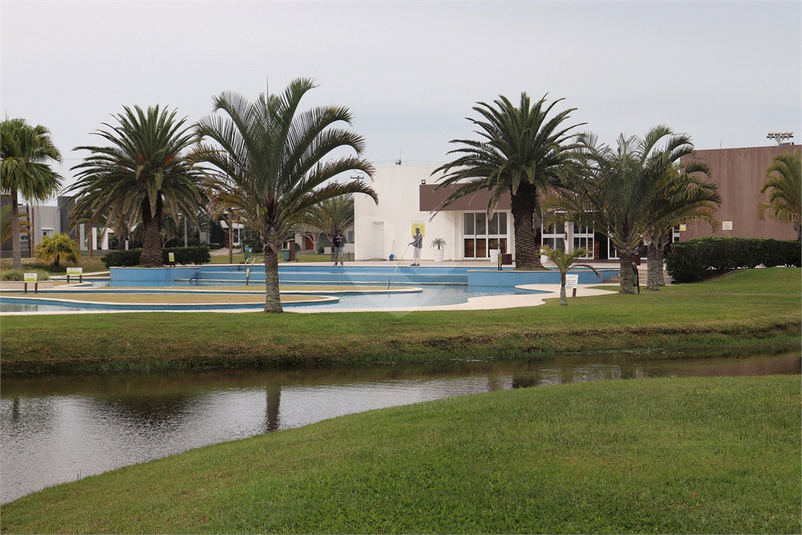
583,239
554,236
481,235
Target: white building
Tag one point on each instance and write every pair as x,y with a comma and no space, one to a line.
407,198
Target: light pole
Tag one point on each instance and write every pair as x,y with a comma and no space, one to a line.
780,137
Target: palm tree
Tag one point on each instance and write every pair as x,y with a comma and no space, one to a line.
565,261
612,191
681,196
332,216
784,180
6,223
269,161
58,248
27,153
142,176
521,152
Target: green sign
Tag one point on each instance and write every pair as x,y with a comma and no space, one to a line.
31,277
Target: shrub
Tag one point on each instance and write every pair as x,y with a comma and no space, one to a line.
188,255
693,260
19,274
122,258
183,255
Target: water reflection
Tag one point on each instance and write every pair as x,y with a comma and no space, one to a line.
57,429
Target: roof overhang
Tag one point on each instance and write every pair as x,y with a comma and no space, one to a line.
431,195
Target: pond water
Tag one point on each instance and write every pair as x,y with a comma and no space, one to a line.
59,429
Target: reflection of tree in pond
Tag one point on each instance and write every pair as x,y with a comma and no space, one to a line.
22,414
149,412
272,406
525,379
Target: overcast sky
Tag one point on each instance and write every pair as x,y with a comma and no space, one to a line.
726,73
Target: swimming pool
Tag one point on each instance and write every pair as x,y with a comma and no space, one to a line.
428,296
426,287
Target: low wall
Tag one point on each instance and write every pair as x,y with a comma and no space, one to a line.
16,286
326,274
493,278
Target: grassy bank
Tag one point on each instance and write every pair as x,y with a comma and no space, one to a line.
746,311
706,455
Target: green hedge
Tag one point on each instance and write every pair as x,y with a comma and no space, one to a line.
183,255
18,275
693,260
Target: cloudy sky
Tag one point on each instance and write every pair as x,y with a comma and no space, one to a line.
727,73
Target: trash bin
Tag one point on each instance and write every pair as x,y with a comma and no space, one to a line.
285,255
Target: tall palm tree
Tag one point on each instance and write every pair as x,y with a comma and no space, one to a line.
143,174
681,196
784,179
6,224
269,162
521,152
27,153
612,191
332,216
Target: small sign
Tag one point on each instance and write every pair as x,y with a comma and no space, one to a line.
74,270
171,257
31,277
571,281
726,225
683,228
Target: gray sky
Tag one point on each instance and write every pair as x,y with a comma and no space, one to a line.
726,73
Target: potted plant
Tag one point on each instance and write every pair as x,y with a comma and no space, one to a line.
495,250
438,243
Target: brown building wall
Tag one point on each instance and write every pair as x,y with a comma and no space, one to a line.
431,196
740,173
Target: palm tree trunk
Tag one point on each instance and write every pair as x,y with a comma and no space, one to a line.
523,204
16,253
31,232
152,239
230,243
654,266
272,297
627,277
151,244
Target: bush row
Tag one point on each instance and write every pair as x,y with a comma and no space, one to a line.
18,275
183,255
694,259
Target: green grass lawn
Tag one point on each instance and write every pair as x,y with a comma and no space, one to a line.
745,311
692,455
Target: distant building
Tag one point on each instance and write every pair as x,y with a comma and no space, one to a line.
408,196
740,173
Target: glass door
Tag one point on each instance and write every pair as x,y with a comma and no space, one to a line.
480,235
